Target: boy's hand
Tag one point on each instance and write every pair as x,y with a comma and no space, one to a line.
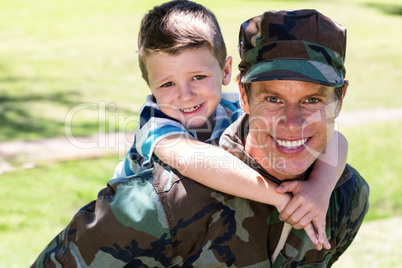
307,209
312,234
282,201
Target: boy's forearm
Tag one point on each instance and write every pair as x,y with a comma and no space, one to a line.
329,166
218,169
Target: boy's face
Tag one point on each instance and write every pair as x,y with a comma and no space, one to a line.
187,86
290,122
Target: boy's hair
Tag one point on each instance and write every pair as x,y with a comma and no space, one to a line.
178,25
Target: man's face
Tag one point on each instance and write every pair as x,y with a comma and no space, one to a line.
187,86
291,123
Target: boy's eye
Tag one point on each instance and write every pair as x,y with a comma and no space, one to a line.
273,99
168,84
198,77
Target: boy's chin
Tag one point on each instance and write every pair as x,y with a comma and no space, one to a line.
198,125
201,123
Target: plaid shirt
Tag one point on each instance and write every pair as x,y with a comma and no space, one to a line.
155,125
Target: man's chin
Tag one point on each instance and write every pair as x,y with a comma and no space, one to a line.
288,170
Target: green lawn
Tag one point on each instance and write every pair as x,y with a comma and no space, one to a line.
375,150
38,203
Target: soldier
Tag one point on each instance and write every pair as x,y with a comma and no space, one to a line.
292,87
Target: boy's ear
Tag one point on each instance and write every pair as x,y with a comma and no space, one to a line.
227,71
243,98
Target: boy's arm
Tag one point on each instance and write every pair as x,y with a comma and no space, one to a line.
222,171
311,197
217,169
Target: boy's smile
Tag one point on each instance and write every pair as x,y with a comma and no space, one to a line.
190,110
188,86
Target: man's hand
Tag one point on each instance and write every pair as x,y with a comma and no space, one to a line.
307,209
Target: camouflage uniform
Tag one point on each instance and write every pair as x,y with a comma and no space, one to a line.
301,45
160,219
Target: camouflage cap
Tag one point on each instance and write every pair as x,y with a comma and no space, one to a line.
301,45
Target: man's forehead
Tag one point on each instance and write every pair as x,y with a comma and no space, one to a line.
289,87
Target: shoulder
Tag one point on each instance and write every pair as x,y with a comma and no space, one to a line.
350,200
150,109
361,191
230,96
121,227
229,107
352,180
230,100
135,201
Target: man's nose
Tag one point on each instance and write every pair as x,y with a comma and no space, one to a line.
293,118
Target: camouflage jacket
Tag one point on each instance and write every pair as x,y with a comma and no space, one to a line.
160,219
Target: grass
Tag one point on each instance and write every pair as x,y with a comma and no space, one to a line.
60,54
38,203
374,247
375,150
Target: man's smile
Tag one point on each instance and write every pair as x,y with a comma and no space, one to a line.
291,144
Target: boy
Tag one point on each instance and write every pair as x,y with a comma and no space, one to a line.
182,57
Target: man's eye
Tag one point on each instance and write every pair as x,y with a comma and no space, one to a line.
198,77
273,99
312,100
168,84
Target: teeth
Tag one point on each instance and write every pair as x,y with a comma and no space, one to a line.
190,109
291,144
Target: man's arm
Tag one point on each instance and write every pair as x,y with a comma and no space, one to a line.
347,209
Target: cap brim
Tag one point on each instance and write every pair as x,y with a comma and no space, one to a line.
300,70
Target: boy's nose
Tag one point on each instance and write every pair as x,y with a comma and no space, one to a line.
186,93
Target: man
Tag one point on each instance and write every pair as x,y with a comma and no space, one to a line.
292,87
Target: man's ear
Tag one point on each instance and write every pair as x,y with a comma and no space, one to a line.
339,107
243,98
227,71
